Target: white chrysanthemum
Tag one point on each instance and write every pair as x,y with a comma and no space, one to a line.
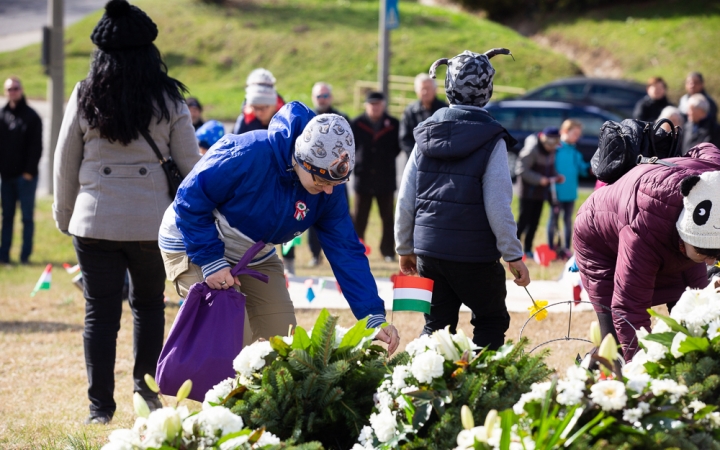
636,367
610,395
655,351
267,438
400,373
123,440
713,329
421,345
638,382
676,342
217,421
714,419
383,400
576,373
252,358
218,392
366,435
670,387
695,309
427,366
538,391
570,391
696,405
632,415
384,424
660,327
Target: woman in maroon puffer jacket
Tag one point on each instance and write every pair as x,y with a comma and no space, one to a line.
635,249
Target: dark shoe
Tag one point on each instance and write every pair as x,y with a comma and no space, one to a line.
98,419
25,262
314,262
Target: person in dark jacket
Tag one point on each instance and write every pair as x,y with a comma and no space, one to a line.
640,241
322,99
20,152
453,216
196,111
649,107
416,112
695,84
376,136
699,127
536,170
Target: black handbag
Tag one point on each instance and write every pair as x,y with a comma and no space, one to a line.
172,172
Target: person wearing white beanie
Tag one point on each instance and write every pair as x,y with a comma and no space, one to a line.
261,102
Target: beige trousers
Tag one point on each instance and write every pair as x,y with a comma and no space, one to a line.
269,309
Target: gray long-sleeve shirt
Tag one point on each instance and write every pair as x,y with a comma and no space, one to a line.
497,195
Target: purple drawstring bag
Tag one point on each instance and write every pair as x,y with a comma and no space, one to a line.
207,335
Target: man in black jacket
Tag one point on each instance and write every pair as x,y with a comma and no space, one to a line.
699,127
376,147
20,151
649,107
416,112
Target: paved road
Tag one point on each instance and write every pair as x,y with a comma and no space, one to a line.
21,21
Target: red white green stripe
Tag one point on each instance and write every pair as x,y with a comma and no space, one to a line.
412,294
43,284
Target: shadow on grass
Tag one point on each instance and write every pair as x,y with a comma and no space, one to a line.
18,327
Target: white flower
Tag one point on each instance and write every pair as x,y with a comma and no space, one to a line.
638,382
696,405
218,392
340,333
365,435
252,358
123,440
570,392
632,415
234,443
697,308
655,351
660,327
670,387
427,366
713,329
446,346
675,346
421,345
400,373
383,400
502,352
288,339
576,373
163,424
636,367
609,394
267,438
714,419
384,423
464,342
217,422
538,391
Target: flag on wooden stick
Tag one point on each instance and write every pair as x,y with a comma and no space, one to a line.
412,294
43,284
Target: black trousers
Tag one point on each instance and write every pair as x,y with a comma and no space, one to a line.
480,286
363,202
314,242
104,264
530,211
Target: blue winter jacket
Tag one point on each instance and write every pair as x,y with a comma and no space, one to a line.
249,179
569,162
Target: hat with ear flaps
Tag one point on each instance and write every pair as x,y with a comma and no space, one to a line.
469,77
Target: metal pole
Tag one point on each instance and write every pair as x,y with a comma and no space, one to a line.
56,83
383,51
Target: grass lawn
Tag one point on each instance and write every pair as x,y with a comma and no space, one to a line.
668,39
43,383
212,49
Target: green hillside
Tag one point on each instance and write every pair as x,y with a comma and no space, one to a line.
661,38
213,48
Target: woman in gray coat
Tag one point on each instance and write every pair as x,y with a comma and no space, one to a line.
111,192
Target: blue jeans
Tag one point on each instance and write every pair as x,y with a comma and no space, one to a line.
567,209
12,191
104,266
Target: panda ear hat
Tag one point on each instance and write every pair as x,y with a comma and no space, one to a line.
699,222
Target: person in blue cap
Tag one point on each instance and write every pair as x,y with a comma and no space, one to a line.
536,171
270,186
208,134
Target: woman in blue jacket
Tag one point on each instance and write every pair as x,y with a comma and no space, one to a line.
270,186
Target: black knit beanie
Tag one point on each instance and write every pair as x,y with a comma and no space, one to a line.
123,26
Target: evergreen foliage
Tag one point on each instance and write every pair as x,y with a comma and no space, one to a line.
319,388
492,384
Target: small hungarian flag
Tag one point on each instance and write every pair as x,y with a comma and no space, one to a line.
412,294
43,284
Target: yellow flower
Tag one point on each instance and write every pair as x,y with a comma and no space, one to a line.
537,307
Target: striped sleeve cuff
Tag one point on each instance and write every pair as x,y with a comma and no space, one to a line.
211,268
375,320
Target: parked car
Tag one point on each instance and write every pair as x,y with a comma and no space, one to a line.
524,117
618,96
